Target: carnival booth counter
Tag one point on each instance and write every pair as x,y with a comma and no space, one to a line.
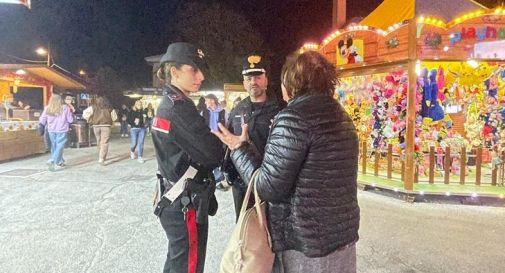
427,95
24,91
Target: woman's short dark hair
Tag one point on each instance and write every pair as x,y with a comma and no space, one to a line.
163,72
309,73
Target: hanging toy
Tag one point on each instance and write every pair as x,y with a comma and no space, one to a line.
435,110
426,101
447,121
441,78
492,85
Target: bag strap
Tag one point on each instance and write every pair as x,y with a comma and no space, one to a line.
257,203
257,200
248,192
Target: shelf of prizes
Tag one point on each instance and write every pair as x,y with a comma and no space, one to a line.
427,99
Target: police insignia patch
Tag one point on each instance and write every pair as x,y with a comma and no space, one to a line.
161,125
200,53
253,60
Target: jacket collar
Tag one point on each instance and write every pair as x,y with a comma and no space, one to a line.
271,100
305,97
174,93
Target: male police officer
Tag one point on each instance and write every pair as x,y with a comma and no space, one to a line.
187,153
258,111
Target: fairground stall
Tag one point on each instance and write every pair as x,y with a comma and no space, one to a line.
424,82
24,91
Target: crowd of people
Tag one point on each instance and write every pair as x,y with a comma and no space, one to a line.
303,150
54,125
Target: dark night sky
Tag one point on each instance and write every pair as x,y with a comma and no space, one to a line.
117,33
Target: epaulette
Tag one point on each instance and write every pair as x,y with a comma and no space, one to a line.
173,94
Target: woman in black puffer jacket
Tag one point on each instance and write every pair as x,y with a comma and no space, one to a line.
309,171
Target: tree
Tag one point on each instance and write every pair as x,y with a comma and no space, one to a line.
107,82
224,36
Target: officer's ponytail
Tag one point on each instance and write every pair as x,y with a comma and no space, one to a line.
163,72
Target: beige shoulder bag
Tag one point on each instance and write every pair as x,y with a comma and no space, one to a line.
249,249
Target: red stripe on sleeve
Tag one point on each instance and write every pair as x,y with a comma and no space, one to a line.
161,124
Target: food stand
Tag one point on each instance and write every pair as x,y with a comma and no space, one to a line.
424,82
32,84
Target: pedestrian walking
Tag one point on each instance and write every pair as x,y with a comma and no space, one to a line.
258,110
123,117
57,118
236,102
214,114
224,105
149,117
308,172
187,153
101,119
138,131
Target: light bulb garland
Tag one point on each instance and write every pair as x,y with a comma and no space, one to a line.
421,20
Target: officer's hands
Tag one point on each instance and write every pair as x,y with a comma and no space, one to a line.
232,141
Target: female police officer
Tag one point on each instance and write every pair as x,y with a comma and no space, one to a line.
185,148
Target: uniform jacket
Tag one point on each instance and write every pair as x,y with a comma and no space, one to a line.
259,122
308,176
181,137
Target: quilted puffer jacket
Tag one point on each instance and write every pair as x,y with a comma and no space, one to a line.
308,176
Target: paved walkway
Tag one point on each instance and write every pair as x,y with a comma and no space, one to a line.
92,218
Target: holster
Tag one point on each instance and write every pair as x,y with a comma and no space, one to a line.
200,189
159,202
202,197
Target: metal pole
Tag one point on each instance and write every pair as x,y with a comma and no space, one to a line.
408,182
48,54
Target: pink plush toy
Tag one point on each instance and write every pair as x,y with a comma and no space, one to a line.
456,165
441,78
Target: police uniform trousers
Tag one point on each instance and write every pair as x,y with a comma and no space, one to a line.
173,222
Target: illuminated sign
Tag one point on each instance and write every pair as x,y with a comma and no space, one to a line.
479,34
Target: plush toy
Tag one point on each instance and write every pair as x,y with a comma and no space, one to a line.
492,85
456,165
447,121
424,85
496,157
341,93
473,129
431,98
441,78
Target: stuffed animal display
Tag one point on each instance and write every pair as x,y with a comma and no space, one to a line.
430,104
